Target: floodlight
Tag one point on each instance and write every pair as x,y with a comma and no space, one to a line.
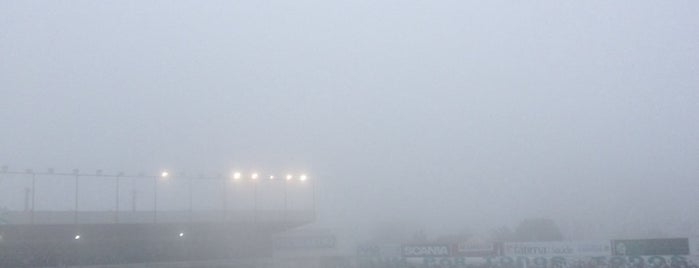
289,177
303,177
77,237
164,174
237,175
254,176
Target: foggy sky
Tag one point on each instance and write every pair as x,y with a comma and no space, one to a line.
457,115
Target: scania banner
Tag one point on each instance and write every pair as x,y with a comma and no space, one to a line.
410,251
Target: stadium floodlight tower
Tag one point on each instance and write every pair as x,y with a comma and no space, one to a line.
304,178
76,173
289,177
33,194
254,177
163,175
116,195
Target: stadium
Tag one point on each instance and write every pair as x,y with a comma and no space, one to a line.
163,233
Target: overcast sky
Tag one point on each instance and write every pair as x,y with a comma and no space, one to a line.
455,114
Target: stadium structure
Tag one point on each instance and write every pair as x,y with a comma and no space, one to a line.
134,231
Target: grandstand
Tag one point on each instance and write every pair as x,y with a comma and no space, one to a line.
51,242
82,220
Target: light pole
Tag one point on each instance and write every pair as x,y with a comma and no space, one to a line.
236,177
155,199
3,169
286,196
271,179
116,203
163,175
315,208
134,192
254,182
225,186
304,178
191,181
33,194
76,172
133,201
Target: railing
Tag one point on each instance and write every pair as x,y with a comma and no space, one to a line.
31,197
127,217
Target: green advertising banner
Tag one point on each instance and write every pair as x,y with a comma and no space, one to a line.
646,247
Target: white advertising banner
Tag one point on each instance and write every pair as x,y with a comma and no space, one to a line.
572,248
474,249
694,246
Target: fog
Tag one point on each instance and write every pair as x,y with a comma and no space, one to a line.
442,116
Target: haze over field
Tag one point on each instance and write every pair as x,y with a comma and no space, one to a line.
450,116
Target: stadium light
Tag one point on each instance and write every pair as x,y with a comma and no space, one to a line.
77,237
254,176
289,177
33,194
76,172
181,235
163,175
303,177
237,175
116,194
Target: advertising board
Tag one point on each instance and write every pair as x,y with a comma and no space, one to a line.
694,246
305,242
467,249
411,251
573,248
534,262
379,250
646,247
